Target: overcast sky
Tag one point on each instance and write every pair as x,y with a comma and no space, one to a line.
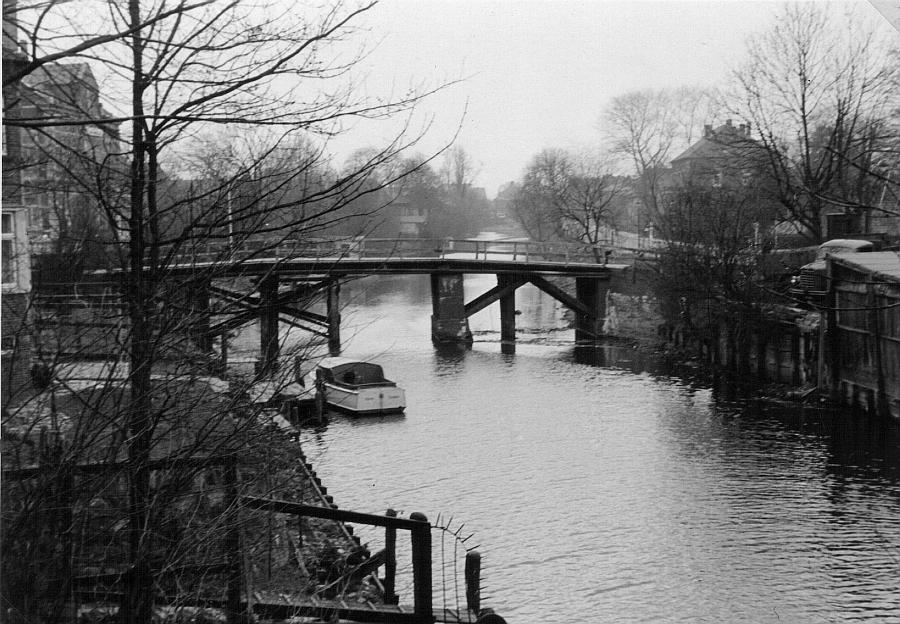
537,74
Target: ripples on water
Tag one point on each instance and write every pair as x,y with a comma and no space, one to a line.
618,492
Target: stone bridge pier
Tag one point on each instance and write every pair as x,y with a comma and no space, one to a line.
449,320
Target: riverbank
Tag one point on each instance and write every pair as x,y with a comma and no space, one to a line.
67,463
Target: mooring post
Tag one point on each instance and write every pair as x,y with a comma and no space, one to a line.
390,561
199,313
268,324
448,320
473,581
591,292
796,358
762,355
333,316
507,310
421,559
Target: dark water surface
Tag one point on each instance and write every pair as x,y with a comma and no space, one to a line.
615,491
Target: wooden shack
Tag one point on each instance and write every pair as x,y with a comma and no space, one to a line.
862,339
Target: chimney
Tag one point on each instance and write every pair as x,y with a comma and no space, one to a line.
742,129
728,122
707,131
747,129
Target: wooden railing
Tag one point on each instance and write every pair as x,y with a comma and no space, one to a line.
360,248
417,525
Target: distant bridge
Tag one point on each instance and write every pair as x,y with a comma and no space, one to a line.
287,274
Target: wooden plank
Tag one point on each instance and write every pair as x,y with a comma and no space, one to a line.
289,321
311,317
328,513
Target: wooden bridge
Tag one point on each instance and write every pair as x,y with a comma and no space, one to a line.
279,282
294,270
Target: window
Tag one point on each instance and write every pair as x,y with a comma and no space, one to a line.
9,249
14,262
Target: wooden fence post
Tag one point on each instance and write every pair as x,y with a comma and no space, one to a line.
233,545
421,558
390,561
269,345
473,581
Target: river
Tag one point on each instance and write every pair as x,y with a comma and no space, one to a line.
610,489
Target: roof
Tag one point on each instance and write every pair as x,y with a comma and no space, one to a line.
334,362
885,265
725,141
63,74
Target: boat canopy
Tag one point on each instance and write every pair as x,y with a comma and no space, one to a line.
352,372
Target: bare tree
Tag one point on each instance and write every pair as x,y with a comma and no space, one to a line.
463,210
647,128
171,72
568,196
532,205
818,88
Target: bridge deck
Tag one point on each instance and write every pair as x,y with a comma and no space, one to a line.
343,266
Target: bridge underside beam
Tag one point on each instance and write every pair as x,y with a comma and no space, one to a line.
499,291
293,323
560,295
589,303
241,318
284,298
305,315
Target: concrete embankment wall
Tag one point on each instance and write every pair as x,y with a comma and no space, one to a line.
635,317
632,311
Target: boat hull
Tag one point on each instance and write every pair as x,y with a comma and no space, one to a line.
368,400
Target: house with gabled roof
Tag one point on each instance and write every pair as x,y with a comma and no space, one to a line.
726,156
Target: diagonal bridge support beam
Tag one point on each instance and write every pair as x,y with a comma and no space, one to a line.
274,306
589,303
502,289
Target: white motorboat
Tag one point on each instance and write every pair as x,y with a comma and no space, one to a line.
357,387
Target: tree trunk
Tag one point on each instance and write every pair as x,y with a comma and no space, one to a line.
137,599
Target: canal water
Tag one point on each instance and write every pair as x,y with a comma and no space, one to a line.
603,487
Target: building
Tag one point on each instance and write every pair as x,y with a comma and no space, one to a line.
16,347
412,217
63,167
724,157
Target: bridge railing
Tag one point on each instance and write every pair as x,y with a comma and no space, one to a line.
359,248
